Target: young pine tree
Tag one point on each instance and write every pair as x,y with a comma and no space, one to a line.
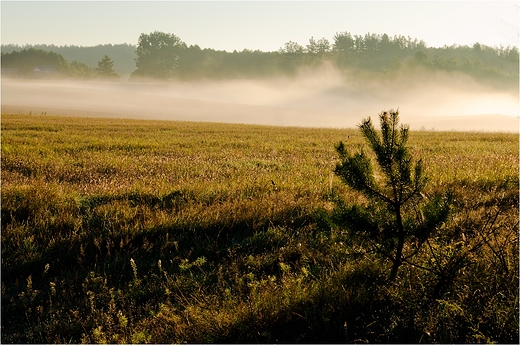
398,218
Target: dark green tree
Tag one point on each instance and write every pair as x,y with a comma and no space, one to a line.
398,218
105,68
157,55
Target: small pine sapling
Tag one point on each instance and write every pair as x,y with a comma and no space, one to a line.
399,218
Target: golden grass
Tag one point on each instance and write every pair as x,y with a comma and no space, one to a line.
153,231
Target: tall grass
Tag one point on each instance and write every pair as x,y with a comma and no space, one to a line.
126,231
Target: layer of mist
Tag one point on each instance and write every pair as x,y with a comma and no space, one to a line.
318,98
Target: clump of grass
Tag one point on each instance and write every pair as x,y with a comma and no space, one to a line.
140,231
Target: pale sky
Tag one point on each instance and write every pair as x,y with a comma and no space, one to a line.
262,25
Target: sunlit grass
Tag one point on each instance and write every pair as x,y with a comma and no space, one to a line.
145,231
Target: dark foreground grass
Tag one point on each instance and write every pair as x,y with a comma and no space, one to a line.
125,231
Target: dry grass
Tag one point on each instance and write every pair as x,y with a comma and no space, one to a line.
145,231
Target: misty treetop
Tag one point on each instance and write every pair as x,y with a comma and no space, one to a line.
165,56
157,55
105,68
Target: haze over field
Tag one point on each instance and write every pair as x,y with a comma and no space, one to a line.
318,98
469,82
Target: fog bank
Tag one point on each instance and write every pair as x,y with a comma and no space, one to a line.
319,98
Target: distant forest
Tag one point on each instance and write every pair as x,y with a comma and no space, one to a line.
87,57
161,55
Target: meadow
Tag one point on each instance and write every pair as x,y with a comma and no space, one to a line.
134,231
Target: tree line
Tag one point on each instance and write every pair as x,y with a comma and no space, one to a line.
30,62
165,56
121,54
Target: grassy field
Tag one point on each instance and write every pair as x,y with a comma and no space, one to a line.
126,231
